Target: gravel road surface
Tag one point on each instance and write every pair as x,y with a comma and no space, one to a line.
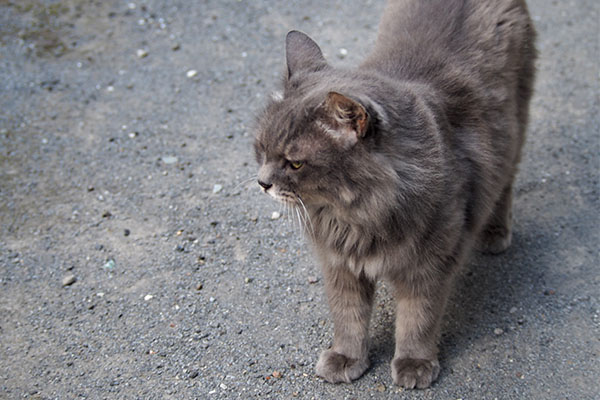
138,259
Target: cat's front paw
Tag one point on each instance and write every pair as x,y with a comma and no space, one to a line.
335,367
411,373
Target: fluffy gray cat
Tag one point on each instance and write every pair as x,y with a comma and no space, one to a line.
403,165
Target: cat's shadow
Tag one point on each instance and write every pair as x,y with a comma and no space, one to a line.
493,292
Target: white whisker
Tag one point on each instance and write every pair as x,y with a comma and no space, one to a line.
287,215
300,224
245,181
307,216
292,219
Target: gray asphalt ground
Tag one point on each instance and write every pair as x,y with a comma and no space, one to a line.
135,263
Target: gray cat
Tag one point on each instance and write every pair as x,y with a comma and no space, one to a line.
403,165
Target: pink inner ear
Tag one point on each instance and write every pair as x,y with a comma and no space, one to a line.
347,112
362,125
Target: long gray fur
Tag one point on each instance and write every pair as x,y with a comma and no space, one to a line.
403,165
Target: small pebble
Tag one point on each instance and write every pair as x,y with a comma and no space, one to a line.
276,215
148,297
277,96
169,159
248,280
141,53
223,386
199,286
277,374
380,388
498,331
132,134
69,280
313,279
126,232
109,265
343,52
217,188
191,73
513,310
193,374
175,46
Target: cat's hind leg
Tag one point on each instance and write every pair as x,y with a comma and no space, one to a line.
350,302
497,234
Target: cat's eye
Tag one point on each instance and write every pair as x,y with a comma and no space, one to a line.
296,164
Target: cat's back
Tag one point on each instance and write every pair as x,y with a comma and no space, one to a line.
419,39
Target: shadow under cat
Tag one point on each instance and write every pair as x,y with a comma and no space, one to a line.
494,295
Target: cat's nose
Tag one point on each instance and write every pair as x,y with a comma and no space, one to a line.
264,185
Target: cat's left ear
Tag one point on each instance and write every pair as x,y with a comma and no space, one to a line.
302,53
349,119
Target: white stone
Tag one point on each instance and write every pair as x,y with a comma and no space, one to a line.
169,159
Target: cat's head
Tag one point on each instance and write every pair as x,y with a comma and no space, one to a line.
308,140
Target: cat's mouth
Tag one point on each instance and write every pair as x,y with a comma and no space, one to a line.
294,206
283,196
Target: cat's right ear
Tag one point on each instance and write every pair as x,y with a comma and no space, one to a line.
302,53
347,119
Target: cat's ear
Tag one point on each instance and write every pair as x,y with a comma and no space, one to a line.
349,119
302,53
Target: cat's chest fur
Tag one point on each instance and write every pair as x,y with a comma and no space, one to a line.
347,243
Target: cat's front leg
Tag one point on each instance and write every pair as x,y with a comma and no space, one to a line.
418,317
350,302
